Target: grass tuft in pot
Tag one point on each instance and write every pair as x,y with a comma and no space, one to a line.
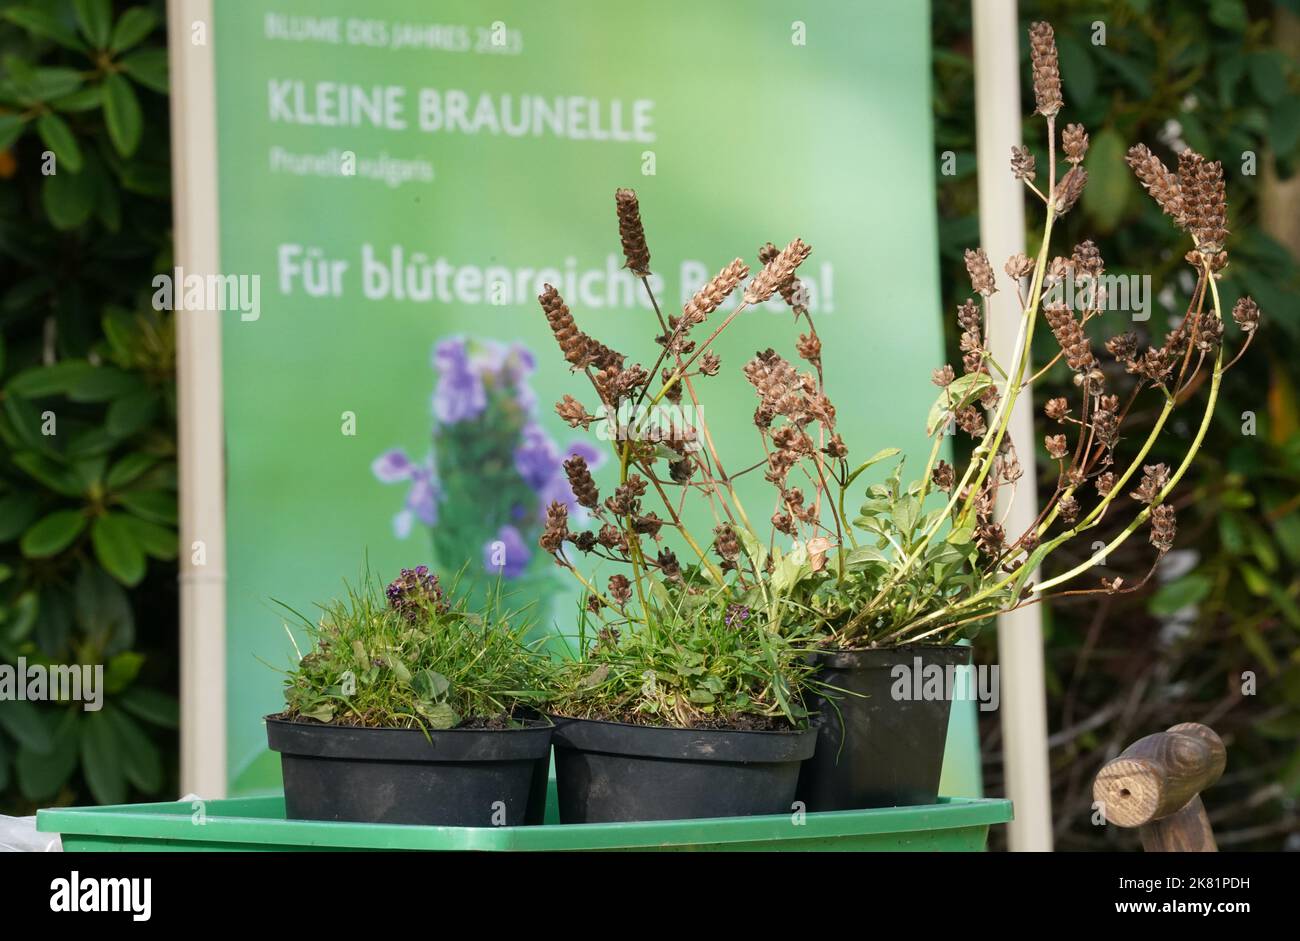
409,657
410,708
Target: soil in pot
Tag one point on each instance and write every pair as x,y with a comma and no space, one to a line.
607,772
463,777
880,741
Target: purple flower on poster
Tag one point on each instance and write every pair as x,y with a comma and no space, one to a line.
507,554
421,497
459,395
484,410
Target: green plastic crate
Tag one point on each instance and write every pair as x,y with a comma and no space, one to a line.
258,823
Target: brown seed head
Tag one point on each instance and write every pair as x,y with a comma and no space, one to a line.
1074,141
631,232
710,297
581,482
1246,313
1160,182
1019,266
1056,446
1047,69
777,272
980,271
1022,163
1164,527
573,412
1069,189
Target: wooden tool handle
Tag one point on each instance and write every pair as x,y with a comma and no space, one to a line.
1155,784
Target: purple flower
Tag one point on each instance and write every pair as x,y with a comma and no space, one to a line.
537,459
460,395
423,495
508,554
737,614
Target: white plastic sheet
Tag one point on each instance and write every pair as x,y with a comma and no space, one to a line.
19,835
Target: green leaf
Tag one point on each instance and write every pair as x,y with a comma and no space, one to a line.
122,115
44,22
17,510
55,379
24,724
84,99
11,128
68,199
152,706
957,395
149,68
1110,182
128,469
59,138
34,86
55,476
42,774
132,412
103,610
132,26
155,505
876,458
121,670
430,684
1268,76
1230,14
863,556
101,759
1180,593
23,616
101,383
117,550
438,715
141,760
53,534
95,17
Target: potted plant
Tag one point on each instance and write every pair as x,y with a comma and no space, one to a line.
685,699
412,709
921,566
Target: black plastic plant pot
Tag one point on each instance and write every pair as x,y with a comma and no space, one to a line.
612,772
881,728
452,777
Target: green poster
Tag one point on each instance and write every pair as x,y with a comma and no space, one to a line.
404,176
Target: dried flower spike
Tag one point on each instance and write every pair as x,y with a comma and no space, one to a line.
581,482
1159,181
980,271
710,297
777,272
943,377
1046,68
1056,446
1069,189
1246,313
1022,163
631,232
573,412
1164,527
573,342
1074,141
1019,266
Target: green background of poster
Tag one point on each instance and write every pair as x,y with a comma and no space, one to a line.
756,138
